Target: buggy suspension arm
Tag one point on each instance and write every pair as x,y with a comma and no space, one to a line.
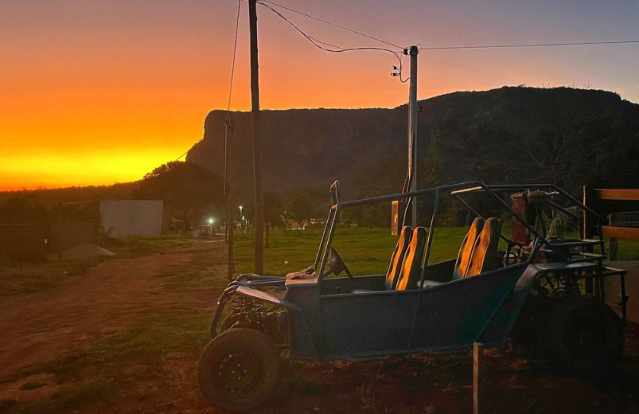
249,292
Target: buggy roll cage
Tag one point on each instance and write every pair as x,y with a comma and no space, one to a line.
248,285
457,190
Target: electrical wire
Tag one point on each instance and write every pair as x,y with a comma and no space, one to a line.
525,45
334,48
237,25
332,24
228,107
398,55
228,121
454,47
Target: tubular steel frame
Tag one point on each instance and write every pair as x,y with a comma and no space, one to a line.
456,190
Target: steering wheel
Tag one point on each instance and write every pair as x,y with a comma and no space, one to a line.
336,265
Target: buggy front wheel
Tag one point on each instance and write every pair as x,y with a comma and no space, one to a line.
238,370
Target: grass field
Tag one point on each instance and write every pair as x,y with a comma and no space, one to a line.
364,250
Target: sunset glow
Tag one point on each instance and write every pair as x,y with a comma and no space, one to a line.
97,92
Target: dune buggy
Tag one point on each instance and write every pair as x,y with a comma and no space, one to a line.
531,285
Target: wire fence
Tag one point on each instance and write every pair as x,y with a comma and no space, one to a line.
622,249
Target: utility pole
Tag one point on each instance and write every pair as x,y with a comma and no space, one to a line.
412,130
257,152
228,156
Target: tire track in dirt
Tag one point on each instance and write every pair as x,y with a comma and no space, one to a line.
42,327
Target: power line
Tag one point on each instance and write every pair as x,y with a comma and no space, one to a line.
317,43
237,25
333,48
228,107
332,24
398,55
178,158
457,47
524,45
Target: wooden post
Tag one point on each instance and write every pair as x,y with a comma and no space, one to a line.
477,388
228,138
587,233
412,131
257,153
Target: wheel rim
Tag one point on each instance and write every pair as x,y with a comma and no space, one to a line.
239,372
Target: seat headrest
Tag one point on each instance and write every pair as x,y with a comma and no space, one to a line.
411,267
484,255
398,257
466,249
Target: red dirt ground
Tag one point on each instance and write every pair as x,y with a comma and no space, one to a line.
41,327
110,297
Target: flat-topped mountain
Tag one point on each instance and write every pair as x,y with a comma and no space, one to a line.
560,135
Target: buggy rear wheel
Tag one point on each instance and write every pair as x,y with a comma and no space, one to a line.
585,336
238,370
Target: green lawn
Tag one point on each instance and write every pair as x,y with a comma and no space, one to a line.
365,250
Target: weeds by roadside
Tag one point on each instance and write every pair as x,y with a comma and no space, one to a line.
23,278
158,333
19,279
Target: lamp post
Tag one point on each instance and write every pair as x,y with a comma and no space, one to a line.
241,217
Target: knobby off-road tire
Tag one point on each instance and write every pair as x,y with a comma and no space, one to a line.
531,322
585,336
239,370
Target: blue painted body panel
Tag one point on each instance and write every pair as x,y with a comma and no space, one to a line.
447,317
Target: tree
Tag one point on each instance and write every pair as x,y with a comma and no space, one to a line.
273,213
164,168
22,210
183,186
368,215
301,209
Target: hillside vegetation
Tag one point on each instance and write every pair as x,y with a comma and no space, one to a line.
564,136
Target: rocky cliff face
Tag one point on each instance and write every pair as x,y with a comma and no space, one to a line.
562,135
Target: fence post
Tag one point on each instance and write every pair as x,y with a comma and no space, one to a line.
478,351
586,231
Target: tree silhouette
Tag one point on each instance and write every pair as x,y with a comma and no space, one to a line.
183,186
273,213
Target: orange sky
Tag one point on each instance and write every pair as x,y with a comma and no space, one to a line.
97,92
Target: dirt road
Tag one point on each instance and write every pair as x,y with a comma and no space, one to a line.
39,328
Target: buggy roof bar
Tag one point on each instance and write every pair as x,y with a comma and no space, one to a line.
455,189
501,188
403,196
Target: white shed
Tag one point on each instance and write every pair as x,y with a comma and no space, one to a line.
132,217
